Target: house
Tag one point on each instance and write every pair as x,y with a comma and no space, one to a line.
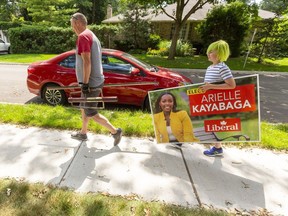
163,25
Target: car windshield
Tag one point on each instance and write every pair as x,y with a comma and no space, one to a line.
145,65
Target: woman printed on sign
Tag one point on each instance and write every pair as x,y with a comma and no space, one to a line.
172,125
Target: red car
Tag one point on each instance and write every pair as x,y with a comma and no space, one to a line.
119,68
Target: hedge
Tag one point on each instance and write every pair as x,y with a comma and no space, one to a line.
43,39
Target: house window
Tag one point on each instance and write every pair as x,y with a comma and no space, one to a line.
182,32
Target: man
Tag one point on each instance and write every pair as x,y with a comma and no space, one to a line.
89,74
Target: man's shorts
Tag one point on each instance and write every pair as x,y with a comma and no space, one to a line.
94,92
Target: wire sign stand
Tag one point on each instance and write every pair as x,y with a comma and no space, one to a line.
100,100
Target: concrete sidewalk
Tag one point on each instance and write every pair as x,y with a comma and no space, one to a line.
247,179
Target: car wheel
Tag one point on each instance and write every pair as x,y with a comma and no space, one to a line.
54,97
8,51
146,106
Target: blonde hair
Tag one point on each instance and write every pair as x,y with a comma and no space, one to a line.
221,47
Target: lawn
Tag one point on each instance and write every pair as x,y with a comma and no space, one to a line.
133,122
24,58
201,62
46,200
196,62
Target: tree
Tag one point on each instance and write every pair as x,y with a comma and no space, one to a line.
135,26
49,12
271,40
279,7
179,17
229,22
95,10
8,10
54,12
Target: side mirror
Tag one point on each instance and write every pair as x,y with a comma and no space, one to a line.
135,71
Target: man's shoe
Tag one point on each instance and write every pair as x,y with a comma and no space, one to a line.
79,136
213,152
117,137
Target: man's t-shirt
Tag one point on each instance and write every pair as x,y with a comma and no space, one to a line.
88,42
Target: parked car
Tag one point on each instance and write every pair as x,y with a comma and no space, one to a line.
4,46
118,67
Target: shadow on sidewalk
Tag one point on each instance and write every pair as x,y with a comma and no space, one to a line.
83,165
221,186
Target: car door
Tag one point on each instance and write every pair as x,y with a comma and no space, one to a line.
118,71
65,74
66,71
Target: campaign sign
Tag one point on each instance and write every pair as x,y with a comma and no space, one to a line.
187,114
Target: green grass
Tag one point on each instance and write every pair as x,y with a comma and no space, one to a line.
133,122
274,136
196,62
38,199
201,62
24,58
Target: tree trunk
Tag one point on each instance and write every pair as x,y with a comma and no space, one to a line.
268,34
94,12
175,37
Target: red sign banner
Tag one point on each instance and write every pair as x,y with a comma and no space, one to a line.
240,99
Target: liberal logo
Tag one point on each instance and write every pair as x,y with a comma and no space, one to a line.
222,125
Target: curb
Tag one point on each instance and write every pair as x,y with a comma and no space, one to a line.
233,71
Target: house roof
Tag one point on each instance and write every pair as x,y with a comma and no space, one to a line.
199,15
266,14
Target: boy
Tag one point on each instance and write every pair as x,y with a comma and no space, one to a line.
217,53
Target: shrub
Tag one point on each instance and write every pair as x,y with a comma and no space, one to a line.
163,49
43,39
153,41
40,39
105,34
123,45
182,49
6,25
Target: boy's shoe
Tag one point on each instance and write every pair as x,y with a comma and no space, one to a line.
79,136
117,137
213,152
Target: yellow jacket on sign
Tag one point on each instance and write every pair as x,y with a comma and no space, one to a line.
180,124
